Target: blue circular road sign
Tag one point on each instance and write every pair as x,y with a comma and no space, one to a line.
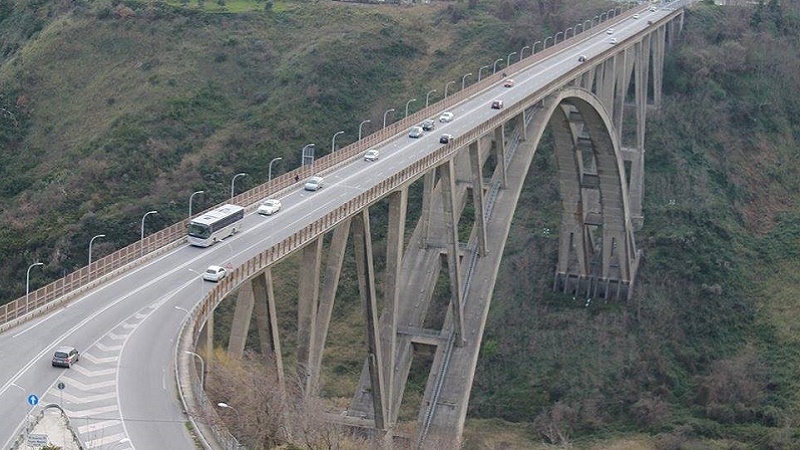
33,399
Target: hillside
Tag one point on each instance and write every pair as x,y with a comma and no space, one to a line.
112,109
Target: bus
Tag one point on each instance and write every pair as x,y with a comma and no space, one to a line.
215,225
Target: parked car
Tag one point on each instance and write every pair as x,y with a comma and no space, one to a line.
65,357
497,104
509,83
445,138
215,273
446,116
415,132
582,58
314,183
270,207
371,155
428,125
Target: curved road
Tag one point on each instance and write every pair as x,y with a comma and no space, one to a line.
122,393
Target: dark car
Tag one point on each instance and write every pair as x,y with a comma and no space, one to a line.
65,357
582,58
445,138
497,104
428,124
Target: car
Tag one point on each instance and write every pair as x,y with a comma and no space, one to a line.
612,41
509,83
314,183
610,31
415,132
652,9
215,273
65,357
445,138
428,125
269,207
497,104
446,116
635,16
649,22
582,58
371,155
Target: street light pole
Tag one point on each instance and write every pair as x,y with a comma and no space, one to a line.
428,96
227,406
523,51
533,50
191,197
143,217
408,103
446,86
360,126
333,140
241,174
28,284
384,116
90,248
481,70
202,368
463,79
269,178
494,67
508,60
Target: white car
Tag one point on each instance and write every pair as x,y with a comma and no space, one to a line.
415,132
371,155
314,183
612,41
635,16
215,273
270,207
610,31
446,116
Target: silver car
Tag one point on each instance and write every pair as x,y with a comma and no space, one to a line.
314,183
65,357
415,132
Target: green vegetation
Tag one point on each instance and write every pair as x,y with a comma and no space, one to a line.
109,109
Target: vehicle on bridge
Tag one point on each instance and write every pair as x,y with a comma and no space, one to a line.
497,104
371,155
270,207
445,138
415,132
428,125
582,58
314,183
509,83
215,273
215,225
446,116
65,357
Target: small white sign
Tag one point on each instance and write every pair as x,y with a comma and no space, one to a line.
37,440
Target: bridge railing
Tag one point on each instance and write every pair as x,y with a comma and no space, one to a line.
48,297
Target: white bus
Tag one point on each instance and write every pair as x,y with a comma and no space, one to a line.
215,225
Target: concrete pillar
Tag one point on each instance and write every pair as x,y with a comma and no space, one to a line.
362,242
477,196
398,205
242,316
658,65
267,320
636,186
500,153
333,270
308,295
447,176
206,343
522,126
606,92
425,218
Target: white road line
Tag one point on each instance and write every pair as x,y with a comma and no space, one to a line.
114,438
92,412
117,337
108,348
81,400
87,387
94,373
92,427
96,360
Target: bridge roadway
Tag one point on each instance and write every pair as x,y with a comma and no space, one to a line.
124,386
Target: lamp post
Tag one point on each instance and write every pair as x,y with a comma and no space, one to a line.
385,114
481,70
28,284
428,96
544,46
202,369
508,60
494,67
304,155
566,32
533,50
191,197
269,171
227,406
555,39
446,86
90,248
407,104
143,217
463,79
233,181
333,140
522,51
360,126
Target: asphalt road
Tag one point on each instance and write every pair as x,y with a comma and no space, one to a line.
122,392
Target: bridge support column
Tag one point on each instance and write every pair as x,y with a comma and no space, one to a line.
425,218
333,270
398,204
447,176
241,320
477,196
500,152
267,321
605,88
636,186
308,296
521,126
658,65
206,343
366,281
